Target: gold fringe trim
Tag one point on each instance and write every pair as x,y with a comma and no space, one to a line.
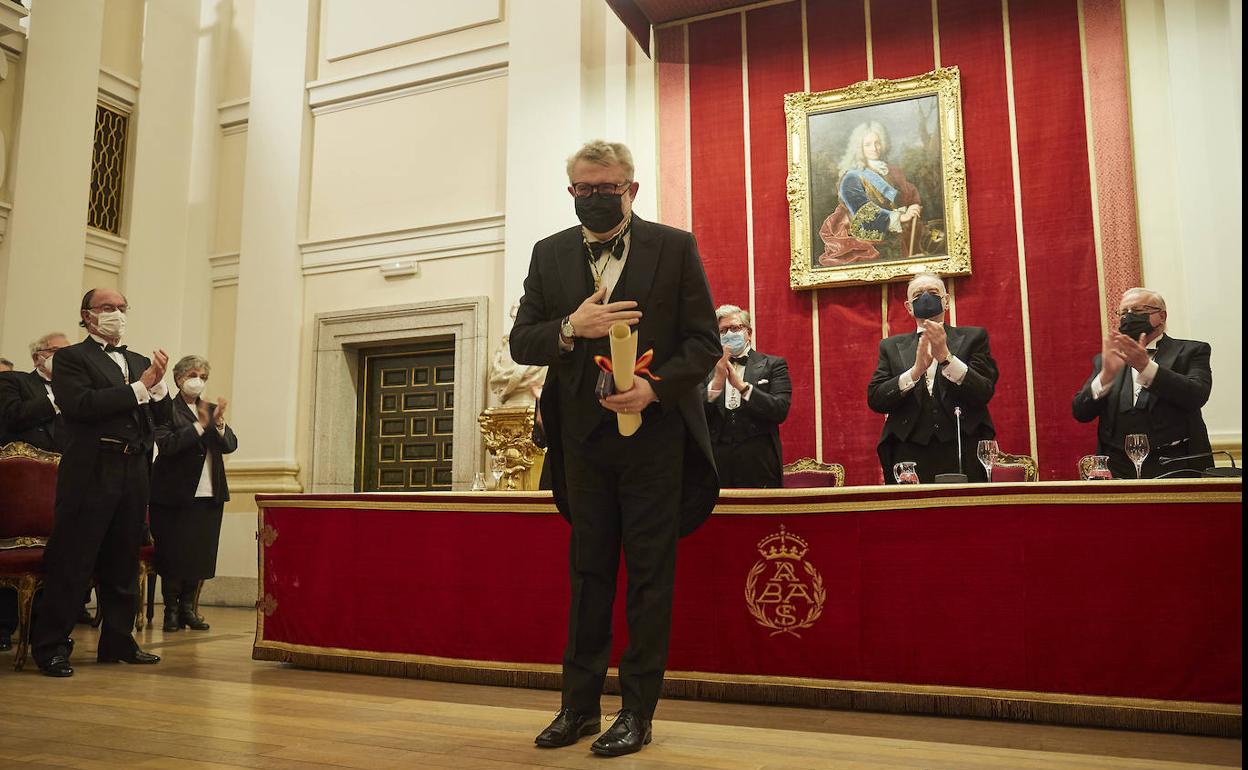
1213,719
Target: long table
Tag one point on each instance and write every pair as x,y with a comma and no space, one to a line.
1111,603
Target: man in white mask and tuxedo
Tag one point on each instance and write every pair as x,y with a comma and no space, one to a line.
110,399
747,397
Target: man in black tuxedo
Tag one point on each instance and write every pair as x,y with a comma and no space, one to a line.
747,397
922,377
642,491
28,410
110,399
28,414
1145,381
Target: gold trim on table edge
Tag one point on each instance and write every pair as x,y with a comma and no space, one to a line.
772,509
1222,709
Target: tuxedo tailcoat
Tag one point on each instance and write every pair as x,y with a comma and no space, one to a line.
101,497
921,426
1168,411
638,493
746,440
26,413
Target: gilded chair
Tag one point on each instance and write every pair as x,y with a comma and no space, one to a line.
1010,467
808,472
27,511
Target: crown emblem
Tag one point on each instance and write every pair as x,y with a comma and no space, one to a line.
782,545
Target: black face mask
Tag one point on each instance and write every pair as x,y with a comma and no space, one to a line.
1135,324
600,213
927,306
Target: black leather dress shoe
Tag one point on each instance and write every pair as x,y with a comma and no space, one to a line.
629,733
135,656
57,665
85,618
567,729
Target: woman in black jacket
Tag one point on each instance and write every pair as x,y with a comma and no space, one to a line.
189,492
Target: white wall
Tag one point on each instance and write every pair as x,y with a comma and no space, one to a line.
1186,88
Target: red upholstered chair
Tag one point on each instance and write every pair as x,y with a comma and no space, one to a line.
1010,468
27,510
808,472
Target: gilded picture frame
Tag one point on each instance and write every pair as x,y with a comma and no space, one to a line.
877,181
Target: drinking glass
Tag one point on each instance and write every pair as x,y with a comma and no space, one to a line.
497,466
987,451
478,482
1099,468
1136,447
906,473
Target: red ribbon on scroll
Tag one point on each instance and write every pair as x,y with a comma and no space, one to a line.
642,367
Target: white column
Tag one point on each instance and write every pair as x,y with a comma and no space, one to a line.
543,129
1187,133
41,259
270,280
158,259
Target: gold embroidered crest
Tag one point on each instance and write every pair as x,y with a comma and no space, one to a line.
783,591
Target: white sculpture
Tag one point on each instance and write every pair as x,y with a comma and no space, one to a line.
511,383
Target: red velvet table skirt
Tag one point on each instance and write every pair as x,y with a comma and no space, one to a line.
1061,601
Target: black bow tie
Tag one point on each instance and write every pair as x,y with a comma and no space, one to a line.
114,349
615,244
740,359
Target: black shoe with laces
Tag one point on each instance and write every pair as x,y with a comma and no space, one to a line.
629,733
567,728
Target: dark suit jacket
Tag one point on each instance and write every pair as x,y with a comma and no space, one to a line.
26,414
96,402
897,354
180,459
664,276
1172,403
768,405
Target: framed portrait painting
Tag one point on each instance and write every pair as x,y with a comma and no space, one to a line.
877,181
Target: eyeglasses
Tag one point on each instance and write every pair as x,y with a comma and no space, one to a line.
584,190
733,328
107,308
1140,309
933,292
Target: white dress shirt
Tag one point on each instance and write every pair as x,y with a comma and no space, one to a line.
955,371
47,385
204,489
141,392
1139,379
732,396
607,268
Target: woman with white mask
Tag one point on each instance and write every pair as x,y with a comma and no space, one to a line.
189,492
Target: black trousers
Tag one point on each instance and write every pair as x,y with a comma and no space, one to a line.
8,611
623,492
933,458
98,528
748,464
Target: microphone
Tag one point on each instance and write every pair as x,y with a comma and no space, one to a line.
959,477
1214,472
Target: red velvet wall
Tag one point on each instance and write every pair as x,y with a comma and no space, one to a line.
1031,103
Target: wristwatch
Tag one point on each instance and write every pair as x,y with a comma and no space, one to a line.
566,328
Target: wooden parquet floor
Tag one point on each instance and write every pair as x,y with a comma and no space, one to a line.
208,705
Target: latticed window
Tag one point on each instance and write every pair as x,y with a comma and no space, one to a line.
108,169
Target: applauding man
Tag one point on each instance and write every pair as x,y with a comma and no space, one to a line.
747,397
922,377
110,399
1145,381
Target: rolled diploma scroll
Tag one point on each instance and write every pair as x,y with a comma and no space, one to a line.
623,360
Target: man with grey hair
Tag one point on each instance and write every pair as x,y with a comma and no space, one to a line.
747,397
28,409
6,365
923,378
639,492
1145,381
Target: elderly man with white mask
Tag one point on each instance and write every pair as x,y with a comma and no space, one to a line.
747,398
